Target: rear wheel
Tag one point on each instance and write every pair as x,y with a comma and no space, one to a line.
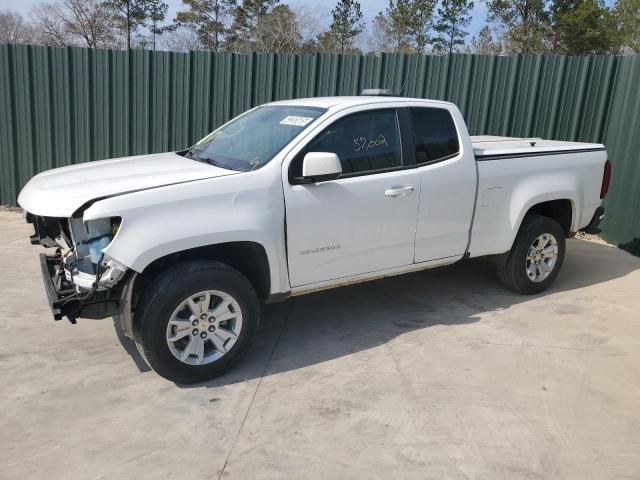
536,257
197,321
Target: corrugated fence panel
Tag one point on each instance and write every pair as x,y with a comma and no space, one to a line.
60,106
200,98
621,135
481,82
8,159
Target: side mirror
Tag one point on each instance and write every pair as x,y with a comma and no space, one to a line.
320,166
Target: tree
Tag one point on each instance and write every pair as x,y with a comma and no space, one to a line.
406,25
397,21
156,11
526,24
582,27
181,39
13,28
74,22
421,23
277,31
311,21
88,21
128,15
242,34
626,14
49,25
380,37
453,16
208,19
484,44
346,25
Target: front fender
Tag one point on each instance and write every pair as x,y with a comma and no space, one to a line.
171,219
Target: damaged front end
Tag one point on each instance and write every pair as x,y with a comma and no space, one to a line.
80,280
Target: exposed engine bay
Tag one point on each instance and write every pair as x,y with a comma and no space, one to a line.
82,276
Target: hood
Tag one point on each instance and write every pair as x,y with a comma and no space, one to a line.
61,191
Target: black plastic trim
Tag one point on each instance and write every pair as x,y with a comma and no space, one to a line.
50,288
317,178
407,137
441,159
593,227
278,297
506,156
101,304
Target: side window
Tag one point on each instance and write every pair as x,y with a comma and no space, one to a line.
366,141
435,134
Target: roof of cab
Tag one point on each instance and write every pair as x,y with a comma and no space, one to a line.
353,101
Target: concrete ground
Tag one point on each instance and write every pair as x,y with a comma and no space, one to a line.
436,375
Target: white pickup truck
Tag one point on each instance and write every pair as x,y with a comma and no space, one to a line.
293,197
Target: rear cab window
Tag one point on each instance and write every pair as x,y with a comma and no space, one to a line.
435,134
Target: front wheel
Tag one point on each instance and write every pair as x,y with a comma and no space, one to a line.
535,259
196,321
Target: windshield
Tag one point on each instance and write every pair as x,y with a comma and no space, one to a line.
252,140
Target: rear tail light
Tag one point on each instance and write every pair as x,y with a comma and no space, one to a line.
606,179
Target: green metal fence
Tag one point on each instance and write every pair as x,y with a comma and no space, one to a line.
65,106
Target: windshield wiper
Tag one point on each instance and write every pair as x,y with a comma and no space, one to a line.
211,161
216,163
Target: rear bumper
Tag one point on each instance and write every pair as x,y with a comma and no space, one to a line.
593,227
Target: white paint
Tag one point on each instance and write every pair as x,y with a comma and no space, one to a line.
316,164
61,191
339,231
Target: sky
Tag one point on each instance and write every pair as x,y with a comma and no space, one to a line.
370,9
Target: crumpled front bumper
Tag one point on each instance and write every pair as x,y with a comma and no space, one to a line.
65,302
56,297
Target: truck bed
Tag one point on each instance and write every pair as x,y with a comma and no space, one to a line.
488,147
513,175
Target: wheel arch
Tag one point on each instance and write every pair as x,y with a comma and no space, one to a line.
561,210
248,257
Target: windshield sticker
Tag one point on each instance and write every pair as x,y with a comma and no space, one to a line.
296,121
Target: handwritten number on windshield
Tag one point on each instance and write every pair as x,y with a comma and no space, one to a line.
364,144
254,163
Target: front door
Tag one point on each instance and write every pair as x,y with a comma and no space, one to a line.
364,221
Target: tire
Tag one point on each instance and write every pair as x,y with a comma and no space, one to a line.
173,321
517,271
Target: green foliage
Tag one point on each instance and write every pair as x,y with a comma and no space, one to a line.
484,43
346,25
422,22
626,14
207,19
397,21
453,16
526,23
582,27
409,24
278,31
156,13
242,34
128,15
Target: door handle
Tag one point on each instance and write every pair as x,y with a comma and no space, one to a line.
398,191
